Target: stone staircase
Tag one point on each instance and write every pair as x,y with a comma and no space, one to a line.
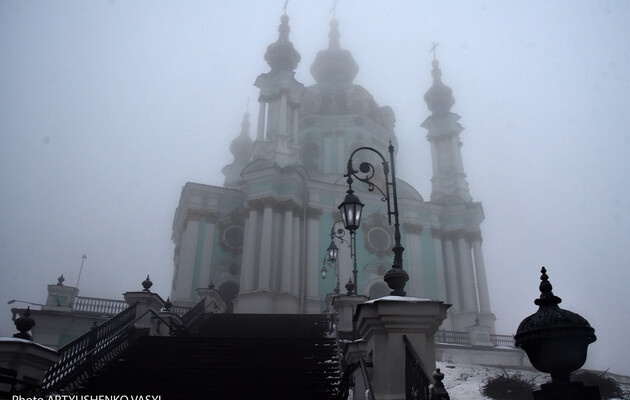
229,356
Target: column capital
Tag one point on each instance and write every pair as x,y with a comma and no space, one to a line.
475,236
412,228
313,213
196,214
289,205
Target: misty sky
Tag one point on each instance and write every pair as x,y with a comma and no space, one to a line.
107,108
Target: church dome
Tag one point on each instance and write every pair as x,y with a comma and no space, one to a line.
334,64
334,70
281,55
439,97
241,146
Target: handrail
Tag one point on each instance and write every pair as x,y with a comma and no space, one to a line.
91,351
456,337
502,340
417,378
451,337
345,377
366,380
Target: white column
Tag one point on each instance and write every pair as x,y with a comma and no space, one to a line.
451,276
469,302
206,258
248,273
183,282
439,265
294,124
382,324
264,268
287,251
283,120
262,111
414,267
312,258
297,250
482,283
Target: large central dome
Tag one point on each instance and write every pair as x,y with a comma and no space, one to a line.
334,70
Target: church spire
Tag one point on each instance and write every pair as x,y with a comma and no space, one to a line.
449,183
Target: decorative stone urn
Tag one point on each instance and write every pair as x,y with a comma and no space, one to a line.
556,342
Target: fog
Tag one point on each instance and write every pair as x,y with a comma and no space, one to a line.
107,108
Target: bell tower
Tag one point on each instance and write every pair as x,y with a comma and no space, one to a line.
279,100
449,179
457,236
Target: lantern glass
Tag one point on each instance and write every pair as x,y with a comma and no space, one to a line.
351,211
324,272
333,252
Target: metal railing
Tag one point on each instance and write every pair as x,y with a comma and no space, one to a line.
417,378
86,354
453,337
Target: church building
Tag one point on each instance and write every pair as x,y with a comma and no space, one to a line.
261,238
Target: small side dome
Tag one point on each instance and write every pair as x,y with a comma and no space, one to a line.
241,146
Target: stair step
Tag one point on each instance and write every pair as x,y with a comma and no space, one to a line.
232,357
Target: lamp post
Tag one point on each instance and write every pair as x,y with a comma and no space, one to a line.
332,256
351,209
25,302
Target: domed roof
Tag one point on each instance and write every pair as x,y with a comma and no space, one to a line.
334,64
439,97
281,55
334,70
241,146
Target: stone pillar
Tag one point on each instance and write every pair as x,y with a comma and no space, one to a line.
482,282
248,273
297,250
451,276
262,112
60,297
294,124
479,335
382,323
186,262
287,250
29,360
345,307
213,300
264,269
469,300
417,285
355,353
439,264
145,301
312,305
283,121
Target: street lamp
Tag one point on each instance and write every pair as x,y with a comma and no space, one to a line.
332,255
333,251
351,209
25,302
